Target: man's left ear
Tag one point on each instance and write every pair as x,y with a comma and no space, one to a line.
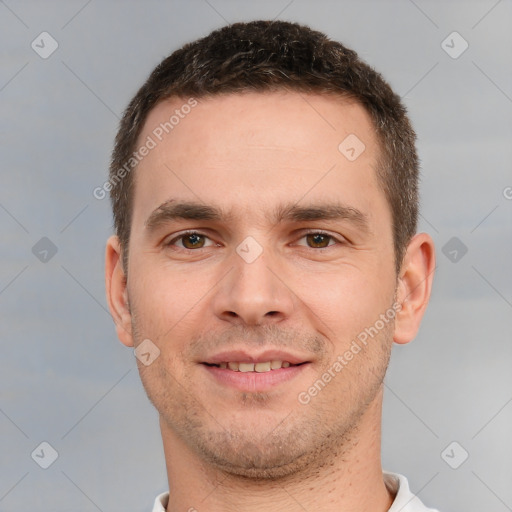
414,286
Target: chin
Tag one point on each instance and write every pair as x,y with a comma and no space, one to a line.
257,466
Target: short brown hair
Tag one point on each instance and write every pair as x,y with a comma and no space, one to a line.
264,56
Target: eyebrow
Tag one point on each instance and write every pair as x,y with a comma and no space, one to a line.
188,210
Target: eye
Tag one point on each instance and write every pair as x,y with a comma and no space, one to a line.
318,240
191,240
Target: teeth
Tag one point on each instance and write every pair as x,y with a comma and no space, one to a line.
262,367
255,367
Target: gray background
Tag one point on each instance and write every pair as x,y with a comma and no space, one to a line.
64,377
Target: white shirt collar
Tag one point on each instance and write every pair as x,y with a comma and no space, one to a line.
161,502
405,500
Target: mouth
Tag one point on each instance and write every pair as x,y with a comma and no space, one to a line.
261,367
254,373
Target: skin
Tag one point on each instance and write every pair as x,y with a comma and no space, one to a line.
248,155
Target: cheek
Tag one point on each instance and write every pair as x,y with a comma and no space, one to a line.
347,301
166,302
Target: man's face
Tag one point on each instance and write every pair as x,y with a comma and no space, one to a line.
255,239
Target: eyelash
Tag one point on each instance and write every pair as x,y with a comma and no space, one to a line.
313,232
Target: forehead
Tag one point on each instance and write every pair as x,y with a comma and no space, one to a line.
311,122
254,148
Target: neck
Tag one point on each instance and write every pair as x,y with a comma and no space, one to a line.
348,478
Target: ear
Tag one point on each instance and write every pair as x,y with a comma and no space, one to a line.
414,286
117,295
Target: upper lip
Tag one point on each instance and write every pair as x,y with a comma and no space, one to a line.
244,356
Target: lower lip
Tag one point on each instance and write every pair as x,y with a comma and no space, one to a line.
254,381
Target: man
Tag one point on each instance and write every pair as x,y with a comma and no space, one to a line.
264,188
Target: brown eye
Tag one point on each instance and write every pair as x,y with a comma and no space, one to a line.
318,240
193,241
190,241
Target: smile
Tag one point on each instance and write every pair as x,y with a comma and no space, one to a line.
253,367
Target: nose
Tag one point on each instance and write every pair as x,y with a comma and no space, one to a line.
253,293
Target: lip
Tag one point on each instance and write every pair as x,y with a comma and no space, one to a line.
243,356
254,381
